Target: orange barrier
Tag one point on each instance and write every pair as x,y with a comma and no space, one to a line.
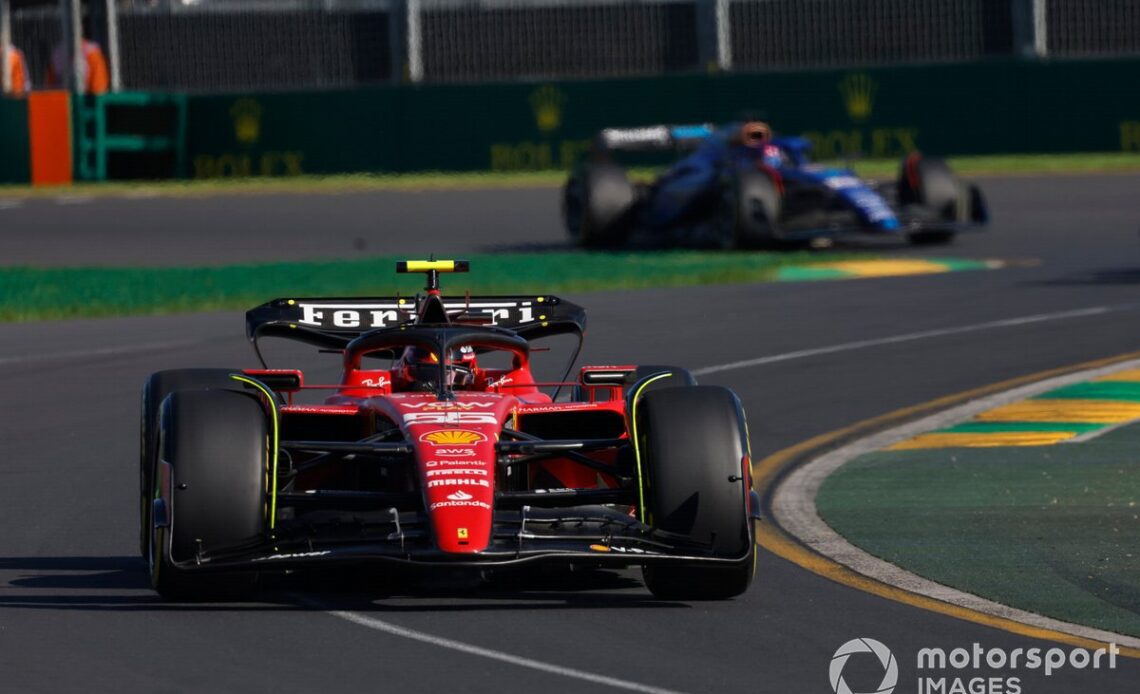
49,133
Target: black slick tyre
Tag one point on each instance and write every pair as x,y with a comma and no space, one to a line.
157,387
929,182
693,448
597,205
752,204
217,445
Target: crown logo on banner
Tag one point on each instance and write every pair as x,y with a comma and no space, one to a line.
547,102
858,91
247,121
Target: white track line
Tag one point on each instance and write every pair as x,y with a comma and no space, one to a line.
412,634
911,337
793,506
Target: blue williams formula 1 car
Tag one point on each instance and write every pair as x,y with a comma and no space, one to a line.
740,187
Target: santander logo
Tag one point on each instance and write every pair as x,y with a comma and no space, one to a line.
460,495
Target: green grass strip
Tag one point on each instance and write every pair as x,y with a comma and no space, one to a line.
1099,390
39,293
1006,427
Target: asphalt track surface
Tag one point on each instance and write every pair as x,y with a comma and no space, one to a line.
75,611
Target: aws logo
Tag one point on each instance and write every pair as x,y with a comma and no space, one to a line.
858,90
547,102
451,437
247,121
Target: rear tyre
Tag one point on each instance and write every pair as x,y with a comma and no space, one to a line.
693,446
157,387
930,183
597,205
216,443
751,207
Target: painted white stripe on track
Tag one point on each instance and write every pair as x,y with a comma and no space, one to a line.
912,337
479,651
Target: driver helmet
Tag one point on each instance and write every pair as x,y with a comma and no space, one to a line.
419,368
755,134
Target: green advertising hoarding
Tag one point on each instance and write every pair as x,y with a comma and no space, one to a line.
983,108
15,159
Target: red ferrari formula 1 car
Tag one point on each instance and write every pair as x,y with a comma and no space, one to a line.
439,458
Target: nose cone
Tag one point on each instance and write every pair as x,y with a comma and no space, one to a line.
458,468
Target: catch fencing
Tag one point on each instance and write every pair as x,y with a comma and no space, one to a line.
242,45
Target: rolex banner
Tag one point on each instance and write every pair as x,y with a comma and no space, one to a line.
983,108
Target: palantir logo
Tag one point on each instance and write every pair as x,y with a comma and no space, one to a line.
886,658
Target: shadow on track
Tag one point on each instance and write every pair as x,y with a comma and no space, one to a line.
110,584
119,583
522,591
459,591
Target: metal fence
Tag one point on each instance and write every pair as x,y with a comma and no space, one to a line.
769,34
234,45
1087,28
467,42
255,45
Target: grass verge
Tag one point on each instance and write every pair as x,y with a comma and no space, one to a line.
1050,529
45,293
991,165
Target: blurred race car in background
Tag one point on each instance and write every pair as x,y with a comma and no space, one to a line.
448,457
740,187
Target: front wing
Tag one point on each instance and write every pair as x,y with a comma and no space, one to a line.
584,535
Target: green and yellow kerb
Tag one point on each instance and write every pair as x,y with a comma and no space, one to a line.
1079,410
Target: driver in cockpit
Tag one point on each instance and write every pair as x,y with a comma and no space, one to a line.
418,369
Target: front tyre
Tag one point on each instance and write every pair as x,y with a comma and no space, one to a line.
694,456
157,387
216,444
929,183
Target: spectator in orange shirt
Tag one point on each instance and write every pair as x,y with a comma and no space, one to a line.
94,78
18,81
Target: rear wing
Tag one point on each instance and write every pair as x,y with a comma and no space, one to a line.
334,322
653,138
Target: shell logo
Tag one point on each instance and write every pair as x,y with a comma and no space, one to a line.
450,437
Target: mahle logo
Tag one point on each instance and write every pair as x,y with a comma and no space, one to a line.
858,92
247,121
547,102
886,659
